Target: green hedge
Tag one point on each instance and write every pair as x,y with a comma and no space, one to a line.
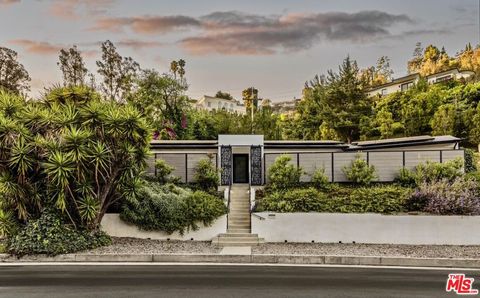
171,208
376,199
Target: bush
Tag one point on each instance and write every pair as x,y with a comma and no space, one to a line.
406,178
163,170
171,208
8,224
435,171
458,197
295,200
470,161
206,175
282,174
49,235
360,172
381,199
319,179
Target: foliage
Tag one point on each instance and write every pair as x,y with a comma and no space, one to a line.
380,199
283,174
118,73
170,208
224,95
13,76
470,161
71,151
49,235
161,97
8,224
72,66
360,172
458,197
206,175
319,179
406,178
435,171
163,170
341,99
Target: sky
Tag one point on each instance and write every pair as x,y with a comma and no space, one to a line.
274,45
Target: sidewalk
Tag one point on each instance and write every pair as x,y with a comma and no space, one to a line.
143,250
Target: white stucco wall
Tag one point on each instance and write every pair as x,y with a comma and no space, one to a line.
114,226
367,228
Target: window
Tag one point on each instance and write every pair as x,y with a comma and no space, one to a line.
384,91
209,104
443,79
406,86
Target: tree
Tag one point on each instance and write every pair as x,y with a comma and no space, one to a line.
224,95
161,97
72,66
444,120
13,76
118,72
250,98
341,100
377,75
70,151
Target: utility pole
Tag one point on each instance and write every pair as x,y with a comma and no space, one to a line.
251,108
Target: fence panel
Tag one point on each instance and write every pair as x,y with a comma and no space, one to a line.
387,164
270,159
344,159
310,162
176,160
413,158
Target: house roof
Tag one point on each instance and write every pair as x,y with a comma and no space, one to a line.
449,71
403,142
304,144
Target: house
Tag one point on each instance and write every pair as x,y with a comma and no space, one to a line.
401,84
210,103
449,75
284,107
245,159
404,83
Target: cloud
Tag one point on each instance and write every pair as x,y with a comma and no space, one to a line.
138,44
73,9
8,2
234,33
37,47
145,24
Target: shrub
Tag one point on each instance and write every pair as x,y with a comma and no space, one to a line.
380,199
49,235
470,161
319,179
206,175
171,208
406,178
282,174
163,170
435,171
360,172
8,223
458,197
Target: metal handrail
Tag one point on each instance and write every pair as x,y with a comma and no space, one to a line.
228,202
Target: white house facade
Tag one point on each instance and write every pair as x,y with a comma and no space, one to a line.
210,103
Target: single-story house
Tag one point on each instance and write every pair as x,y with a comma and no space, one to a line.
247,158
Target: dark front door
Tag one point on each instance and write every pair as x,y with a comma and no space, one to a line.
240,168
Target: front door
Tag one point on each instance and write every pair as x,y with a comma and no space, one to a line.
240,168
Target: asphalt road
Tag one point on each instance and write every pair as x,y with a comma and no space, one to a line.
220,281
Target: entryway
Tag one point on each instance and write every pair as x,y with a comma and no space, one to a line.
240,168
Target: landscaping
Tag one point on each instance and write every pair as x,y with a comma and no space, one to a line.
433,188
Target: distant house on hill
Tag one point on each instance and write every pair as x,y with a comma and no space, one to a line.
404,83
284,107
210,103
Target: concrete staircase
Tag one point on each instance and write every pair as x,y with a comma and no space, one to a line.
238,231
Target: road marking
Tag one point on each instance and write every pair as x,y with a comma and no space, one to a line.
20,264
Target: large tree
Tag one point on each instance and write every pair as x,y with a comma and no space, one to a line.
13,76
72,66
341,100
224,95
118,73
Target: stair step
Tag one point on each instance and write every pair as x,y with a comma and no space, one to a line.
247,235
239,231
238,226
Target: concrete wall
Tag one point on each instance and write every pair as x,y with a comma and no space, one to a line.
367,228
114,226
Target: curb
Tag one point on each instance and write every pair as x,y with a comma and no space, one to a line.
251,259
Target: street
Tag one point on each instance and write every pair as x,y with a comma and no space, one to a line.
220,281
